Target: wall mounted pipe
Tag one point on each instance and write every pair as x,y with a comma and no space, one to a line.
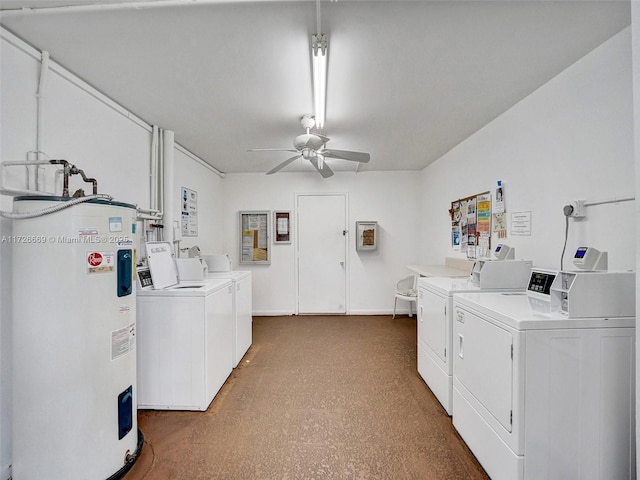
32,173
149,211
168,186
613,200
153,170
30,165
14,163
114,6
42,87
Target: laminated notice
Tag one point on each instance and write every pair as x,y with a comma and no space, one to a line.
123,341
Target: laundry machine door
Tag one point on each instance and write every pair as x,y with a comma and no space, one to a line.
483,364
434,331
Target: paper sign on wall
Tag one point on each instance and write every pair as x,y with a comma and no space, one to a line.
521,223
189,212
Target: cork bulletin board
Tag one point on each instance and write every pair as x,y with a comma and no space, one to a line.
471,225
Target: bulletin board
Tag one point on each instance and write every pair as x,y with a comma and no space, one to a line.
254,237
471,225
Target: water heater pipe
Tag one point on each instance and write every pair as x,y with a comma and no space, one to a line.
69,170
54,208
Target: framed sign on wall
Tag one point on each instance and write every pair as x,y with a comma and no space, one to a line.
282,227
366,235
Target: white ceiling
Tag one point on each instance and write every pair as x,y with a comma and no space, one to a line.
408,80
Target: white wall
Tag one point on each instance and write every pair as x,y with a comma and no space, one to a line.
390,198
98,136
196,175
571,139
635,27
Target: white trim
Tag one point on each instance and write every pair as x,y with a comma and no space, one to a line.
273,313
389,312
197,159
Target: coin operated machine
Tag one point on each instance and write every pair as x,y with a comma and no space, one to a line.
504,252
591,290
502,272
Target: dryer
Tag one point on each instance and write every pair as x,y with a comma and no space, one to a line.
540,395
435,319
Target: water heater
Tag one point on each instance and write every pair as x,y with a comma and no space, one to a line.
74,340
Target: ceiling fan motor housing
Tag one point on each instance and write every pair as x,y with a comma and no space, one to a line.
308,141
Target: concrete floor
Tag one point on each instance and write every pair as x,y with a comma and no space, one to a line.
316,397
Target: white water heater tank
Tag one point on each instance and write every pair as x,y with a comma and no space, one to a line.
74,337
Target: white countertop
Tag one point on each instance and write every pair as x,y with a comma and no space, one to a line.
453,267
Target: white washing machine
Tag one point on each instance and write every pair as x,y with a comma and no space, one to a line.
185,336
435,320
184,344
540,395
242,312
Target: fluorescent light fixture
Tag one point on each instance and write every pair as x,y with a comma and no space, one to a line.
319,54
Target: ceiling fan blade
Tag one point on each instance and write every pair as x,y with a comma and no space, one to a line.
283,164
325,171
347,155
271,150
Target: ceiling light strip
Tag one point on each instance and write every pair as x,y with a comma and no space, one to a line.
319,55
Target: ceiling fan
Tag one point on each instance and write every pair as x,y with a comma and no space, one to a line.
312,147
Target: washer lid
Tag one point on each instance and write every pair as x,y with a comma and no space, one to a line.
161,265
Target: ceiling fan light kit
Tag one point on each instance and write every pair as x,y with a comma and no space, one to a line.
312,146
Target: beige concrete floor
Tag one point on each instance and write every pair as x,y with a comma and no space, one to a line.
316,397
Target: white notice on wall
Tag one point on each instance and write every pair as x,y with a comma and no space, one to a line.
189,212
521,223
254,222
283,226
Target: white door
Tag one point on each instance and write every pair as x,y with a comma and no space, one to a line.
322,253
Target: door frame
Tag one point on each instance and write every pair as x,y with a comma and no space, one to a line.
347,254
